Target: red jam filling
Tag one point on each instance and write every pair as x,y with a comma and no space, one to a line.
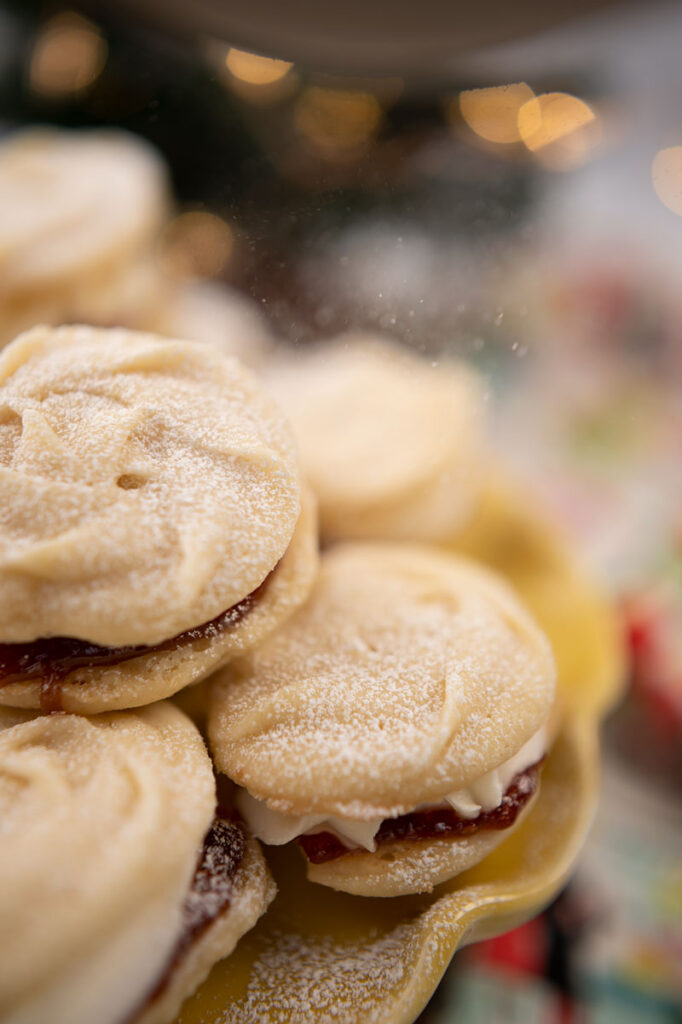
432,823
50,660
208,897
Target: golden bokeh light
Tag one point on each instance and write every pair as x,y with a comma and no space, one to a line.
255,70
560,129
68,55
337,123
666,177
493,113
196,244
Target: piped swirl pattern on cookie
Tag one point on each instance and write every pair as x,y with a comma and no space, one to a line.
102,822
71,202
146,486
408,675
393,445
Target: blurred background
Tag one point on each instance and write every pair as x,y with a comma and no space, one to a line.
513,197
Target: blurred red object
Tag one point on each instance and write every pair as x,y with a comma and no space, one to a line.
654,630
523,950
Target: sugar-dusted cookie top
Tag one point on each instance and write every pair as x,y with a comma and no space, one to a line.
70,201
407,675
391,443
146,486
102,823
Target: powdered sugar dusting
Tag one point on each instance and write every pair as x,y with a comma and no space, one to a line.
214,878
407,675
304,980
100,821
147,485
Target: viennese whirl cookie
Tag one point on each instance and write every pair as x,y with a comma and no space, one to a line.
393,446
120,886
220,316
394,725
78,213
151,522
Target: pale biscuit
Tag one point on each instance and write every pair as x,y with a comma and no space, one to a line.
219,316
392,444
130,905
399,868
77,211
250,895
407,676
91,689
102,823
148,486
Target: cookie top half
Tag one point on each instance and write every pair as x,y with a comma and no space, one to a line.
393,445
102,823
73,201
407,675
147,485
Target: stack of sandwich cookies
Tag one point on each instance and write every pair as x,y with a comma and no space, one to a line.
393,445
80,218
152,526
151,520
122,888
394,725
387,709
79,212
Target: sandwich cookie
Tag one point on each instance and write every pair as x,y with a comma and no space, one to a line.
392,445
78,214
394,725
151,522
121,887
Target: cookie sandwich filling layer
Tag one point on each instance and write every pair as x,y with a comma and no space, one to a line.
492,801
51,660
209,895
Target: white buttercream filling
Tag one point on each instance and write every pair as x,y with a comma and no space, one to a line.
484,794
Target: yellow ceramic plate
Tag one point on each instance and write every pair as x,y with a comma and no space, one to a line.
321,957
